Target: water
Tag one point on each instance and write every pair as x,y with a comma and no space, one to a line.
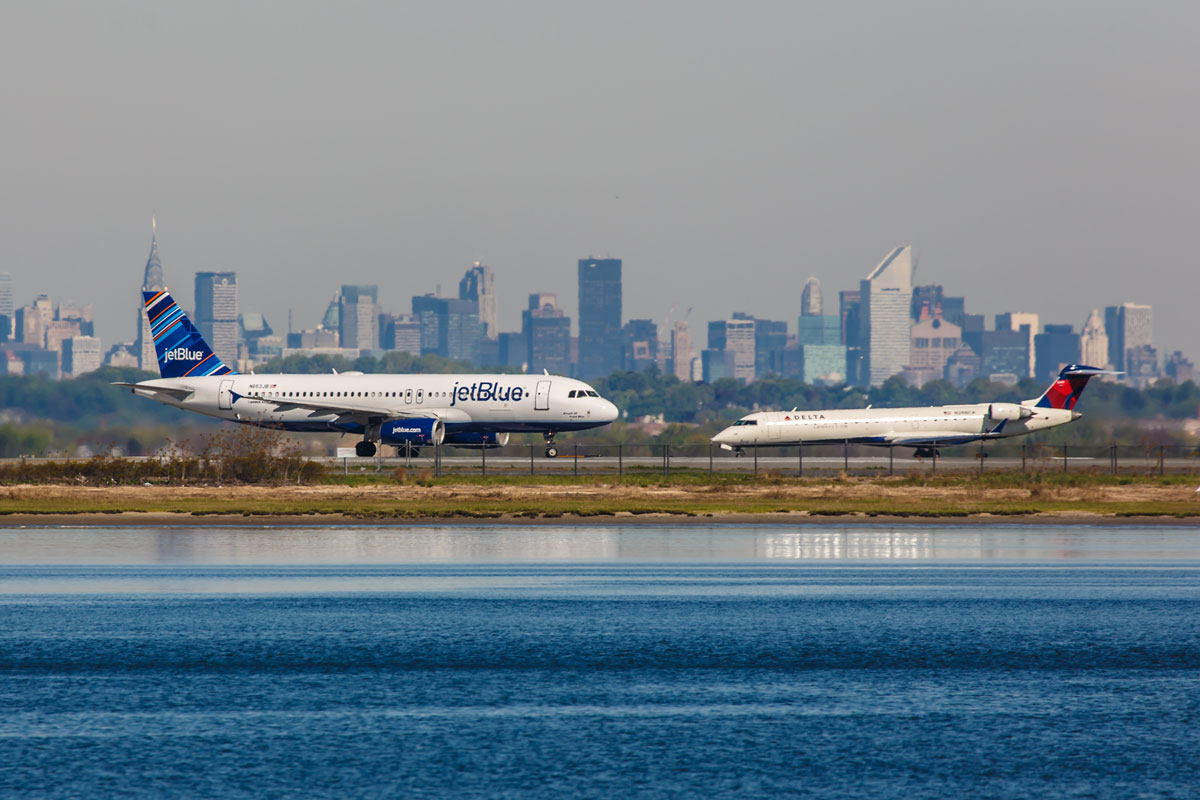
600,662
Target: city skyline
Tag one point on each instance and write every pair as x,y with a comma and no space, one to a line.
1035,156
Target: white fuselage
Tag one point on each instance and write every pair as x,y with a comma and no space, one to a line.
919,426
476,403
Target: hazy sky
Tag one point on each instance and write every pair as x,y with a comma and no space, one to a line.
1039,156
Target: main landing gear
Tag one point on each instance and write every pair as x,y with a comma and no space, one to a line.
926,452
364,449
551,450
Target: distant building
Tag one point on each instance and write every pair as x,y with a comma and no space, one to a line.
1141,366
402,333
737,337
60,330
121,355
358,316
152,281
717,364
810,299
449,327
6,303
820,364
926,302
886,299
639,345
770,339
479,285
681,351
217,313
599,317
1028,324
80,355
963,366
1005,352
972,326
315,339
513,350
933,342
1093,341
1056,347
547,332
1128,326
813,329
1179,369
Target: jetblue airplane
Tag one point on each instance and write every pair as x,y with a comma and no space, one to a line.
399,410
926,429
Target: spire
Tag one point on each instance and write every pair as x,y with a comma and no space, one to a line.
153,281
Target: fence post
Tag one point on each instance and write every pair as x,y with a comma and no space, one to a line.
1161,461
576,459
1024,451
620,460
982,455
935,455
846,456
531,458
891,460
437,461
1112,457
710,459
483,459
800,460
666,461
756,461
1064,459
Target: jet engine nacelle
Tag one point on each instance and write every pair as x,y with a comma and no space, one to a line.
1008,411
485,440
417,431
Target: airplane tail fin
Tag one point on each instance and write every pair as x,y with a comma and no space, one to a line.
182,351
1065,391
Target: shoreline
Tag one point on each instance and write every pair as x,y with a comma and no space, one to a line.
148,519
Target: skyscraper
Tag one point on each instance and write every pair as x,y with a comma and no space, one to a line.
1055,348
810,298
217,313
1129,326
1028,324
152,281
681,351
884,317
479,285
599,317
449,327
358,316
547,332
6,303
639,345
1093,343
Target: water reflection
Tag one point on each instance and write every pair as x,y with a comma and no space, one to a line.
507,544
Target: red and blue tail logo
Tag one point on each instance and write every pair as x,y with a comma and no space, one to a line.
1065,391
182,351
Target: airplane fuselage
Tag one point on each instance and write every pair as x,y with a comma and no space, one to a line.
928,426
465,403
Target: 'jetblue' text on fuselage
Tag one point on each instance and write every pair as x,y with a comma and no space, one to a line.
484,391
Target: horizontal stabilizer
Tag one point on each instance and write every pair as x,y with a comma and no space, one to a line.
177,394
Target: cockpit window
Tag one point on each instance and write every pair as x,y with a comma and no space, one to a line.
571,393
745,422
592,394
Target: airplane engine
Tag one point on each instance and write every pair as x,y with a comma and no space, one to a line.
416,431
1008,411
485,440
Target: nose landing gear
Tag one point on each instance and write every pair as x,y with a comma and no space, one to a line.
551,449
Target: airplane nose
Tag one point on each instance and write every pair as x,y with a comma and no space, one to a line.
609,411
721,437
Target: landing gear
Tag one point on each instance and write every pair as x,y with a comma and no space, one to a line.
739,452
926,452
364,449
551,450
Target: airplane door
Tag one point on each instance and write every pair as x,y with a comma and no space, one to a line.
225,396
774,430
420,395
541,397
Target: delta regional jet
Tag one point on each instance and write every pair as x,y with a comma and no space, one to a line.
926,429
399,410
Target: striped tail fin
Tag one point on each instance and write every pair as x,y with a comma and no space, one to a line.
1065,391
182,351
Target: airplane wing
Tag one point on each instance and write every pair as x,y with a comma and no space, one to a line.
924,438
364,411
174,394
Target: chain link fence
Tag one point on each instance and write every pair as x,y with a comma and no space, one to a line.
823,460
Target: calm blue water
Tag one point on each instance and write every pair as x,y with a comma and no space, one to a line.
465,662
